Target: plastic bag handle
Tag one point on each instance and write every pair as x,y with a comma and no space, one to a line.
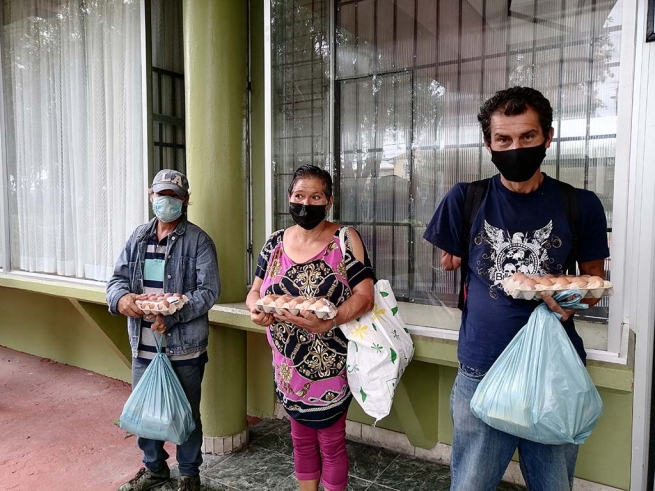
569,299
158,341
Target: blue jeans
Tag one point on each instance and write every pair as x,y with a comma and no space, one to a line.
189,456
481,454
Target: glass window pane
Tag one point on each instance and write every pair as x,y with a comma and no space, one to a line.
300,73
72,78
410,77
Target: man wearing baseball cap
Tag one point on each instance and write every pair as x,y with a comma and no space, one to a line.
169,254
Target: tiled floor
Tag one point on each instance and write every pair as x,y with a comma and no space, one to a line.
267,464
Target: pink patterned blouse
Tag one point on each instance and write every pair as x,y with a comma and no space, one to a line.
310,369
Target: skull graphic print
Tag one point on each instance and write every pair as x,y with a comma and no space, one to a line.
518,252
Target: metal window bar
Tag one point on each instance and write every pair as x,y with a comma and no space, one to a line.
299,66
590,84
492,56
560,95
166,125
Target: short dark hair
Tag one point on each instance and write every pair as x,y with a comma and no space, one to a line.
515,101
309,171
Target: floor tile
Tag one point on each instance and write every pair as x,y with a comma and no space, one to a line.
407,473
289,484
212,485
266,426
206,485
210,461
368,462
356,484
252,469
278,439
267,465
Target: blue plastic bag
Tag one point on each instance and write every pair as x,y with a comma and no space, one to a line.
538,389
158,409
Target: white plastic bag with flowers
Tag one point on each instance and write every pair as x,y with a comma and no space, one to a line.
379,350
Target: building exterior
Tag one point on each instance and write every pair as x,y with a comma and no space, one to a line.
98,96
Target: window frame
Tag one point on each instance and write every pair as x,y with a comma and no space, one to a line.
618,323
5,242
639,293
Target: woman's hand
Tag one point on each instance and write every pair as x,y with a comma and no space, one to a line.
261,318
306,320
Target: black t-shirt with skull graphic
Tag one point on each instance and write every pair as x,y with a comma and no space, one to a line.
512,232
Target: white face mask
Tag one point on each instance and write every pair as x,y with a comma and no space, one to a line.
166,208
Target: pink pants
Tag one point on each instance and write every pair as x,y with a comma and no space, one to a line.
321,454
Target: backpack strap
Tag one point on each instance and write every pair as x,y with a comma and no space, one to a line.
569,198
474,195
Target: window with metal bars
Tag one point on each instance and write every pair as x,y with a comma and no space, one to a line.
166,96
407,78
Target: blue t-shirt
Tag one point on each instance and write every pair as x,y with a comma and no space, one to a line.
512,232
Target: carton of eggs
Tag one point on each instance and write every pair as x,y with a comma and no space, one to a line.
321,307
530,287
164,304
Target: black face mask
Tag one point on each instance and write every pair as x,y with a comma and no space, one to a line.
307,216
520,164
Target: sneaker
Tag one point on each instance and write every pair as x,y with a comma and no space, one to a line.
189,483
146,479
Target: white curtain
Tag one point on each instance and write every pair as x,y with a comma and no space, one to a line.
72,74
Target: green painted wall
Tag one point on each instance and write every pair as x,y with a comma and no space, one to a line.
605,456
223,402
52,327
261,397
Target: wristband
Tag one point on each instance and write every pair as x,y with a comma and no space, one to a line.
334,322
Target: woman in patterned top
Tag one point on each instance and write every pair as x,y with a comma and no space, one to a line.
309,354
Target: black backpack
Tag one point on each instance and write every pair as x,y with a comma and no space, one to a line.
478,189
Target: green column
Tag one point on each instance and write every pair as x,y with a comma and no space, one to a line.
215,66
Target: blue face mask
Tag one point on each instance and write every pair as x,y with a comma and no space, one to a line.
166,208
